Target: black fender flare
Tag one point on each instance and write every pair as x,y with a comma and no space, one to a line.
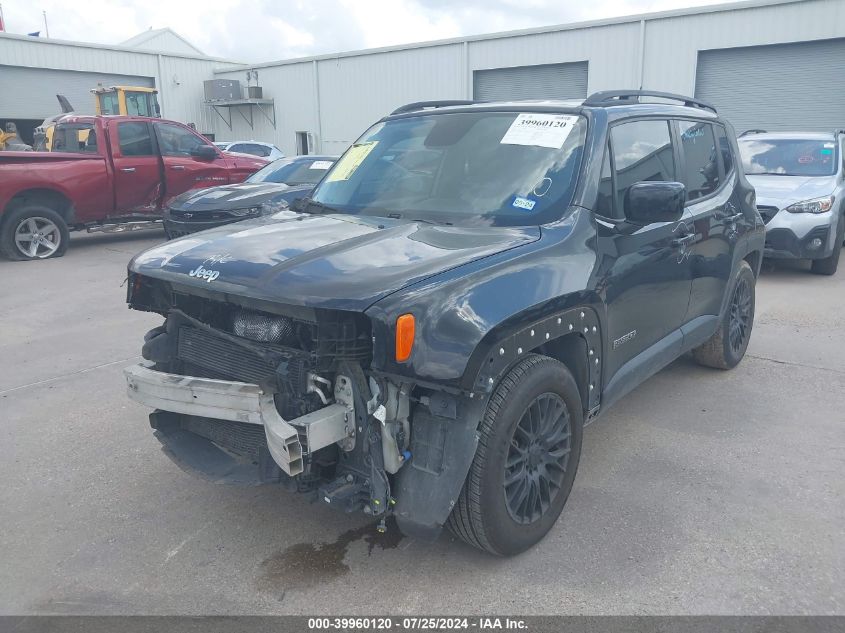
496,354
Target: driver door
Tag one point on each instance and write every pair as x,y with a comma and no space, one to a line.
182,170
644,273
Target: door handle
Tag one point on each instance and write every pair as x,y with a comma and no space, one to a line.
179,167
128,170
683,241
732,219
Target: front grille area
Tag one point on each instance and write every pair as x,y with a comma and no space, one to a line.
767,213
241,438
224,358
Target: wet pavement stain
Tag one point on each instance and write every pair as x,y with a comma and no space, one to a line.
306,565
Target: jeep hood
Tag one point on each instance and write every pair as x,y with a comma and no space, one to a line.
239,196
341,262
782,191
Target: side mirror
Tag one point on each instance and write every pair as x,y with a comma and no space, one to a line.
647,202
204,152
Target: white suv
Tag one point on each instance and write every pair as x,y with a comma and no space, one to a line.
256,148
800,182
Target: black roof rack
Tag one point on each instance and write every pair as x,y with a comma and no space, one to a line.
608,98
421,105
747,132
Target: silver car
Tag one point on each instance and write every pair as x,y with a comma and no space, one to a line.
255,148
800,182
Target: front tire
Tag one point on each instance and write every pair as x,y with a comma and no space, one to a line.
524,467
727,346
33,232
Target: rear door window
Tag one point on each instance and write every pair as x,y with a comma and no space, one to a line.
134,138
642,151
700,160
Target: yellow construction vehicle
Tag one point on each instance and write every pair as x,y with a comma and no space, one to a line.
131,100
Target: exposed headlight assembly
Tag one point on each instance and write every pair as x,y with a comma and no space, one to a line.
268,208
816,205
261,327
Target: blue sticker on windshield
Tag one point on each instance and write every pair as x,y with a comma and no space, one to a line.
827,151
524,203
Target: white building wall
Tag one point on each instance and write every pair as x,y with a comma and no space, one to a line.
611,53
335,97
657,51
178,77
672,44
292,86
353,89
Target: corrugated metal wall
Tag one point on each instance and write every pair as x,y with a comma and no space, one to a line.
797,86
354,90
178,78
545,81
30,93
335,98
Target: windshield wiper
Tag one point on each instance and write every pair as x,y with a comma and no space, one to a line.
308,205
398,216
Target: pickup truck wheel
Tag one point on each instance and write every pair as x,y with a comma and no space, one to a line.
727,346
528,451
34,232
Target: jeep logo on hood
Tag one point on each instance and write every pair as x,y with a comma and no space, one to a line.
204,273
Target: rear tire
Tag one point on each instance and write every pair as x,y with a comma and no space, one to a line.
527,457
828,265
33,232
727,346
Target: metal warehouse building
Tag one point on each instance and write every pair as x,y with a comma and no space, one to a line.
773,64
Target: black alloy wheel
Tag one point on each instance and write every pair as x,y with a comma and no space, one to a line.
537,458
741,315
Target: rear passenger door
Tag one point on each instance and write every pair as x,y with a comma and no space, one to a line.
137,169
707,171
646,284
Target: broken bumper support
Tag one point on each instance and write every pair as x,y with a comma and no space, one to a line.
239,402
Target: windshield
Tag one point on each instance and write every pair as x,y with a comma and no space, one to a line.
788,157
501,168
292,172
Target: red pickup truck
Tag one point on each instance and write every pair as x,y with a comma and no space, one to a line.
104,171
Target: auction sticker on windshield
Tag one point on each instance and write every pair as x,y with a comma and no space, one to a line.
351,160
540,130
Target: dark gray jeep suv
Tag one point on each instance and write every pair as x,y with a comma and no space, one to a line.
468,285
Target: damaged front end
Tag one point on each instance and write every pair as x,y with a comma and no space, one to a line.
252,393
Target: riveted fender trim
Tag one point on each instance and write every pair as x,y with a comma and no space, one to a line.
582,321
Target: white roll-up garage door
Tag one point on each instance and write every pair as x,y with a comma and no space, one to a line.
549,81
30,93
797,86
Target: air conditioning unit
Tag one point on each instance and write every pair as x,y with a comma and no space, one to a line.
222,89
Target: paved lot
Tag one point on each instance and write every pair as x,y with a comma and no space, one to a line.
701,492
